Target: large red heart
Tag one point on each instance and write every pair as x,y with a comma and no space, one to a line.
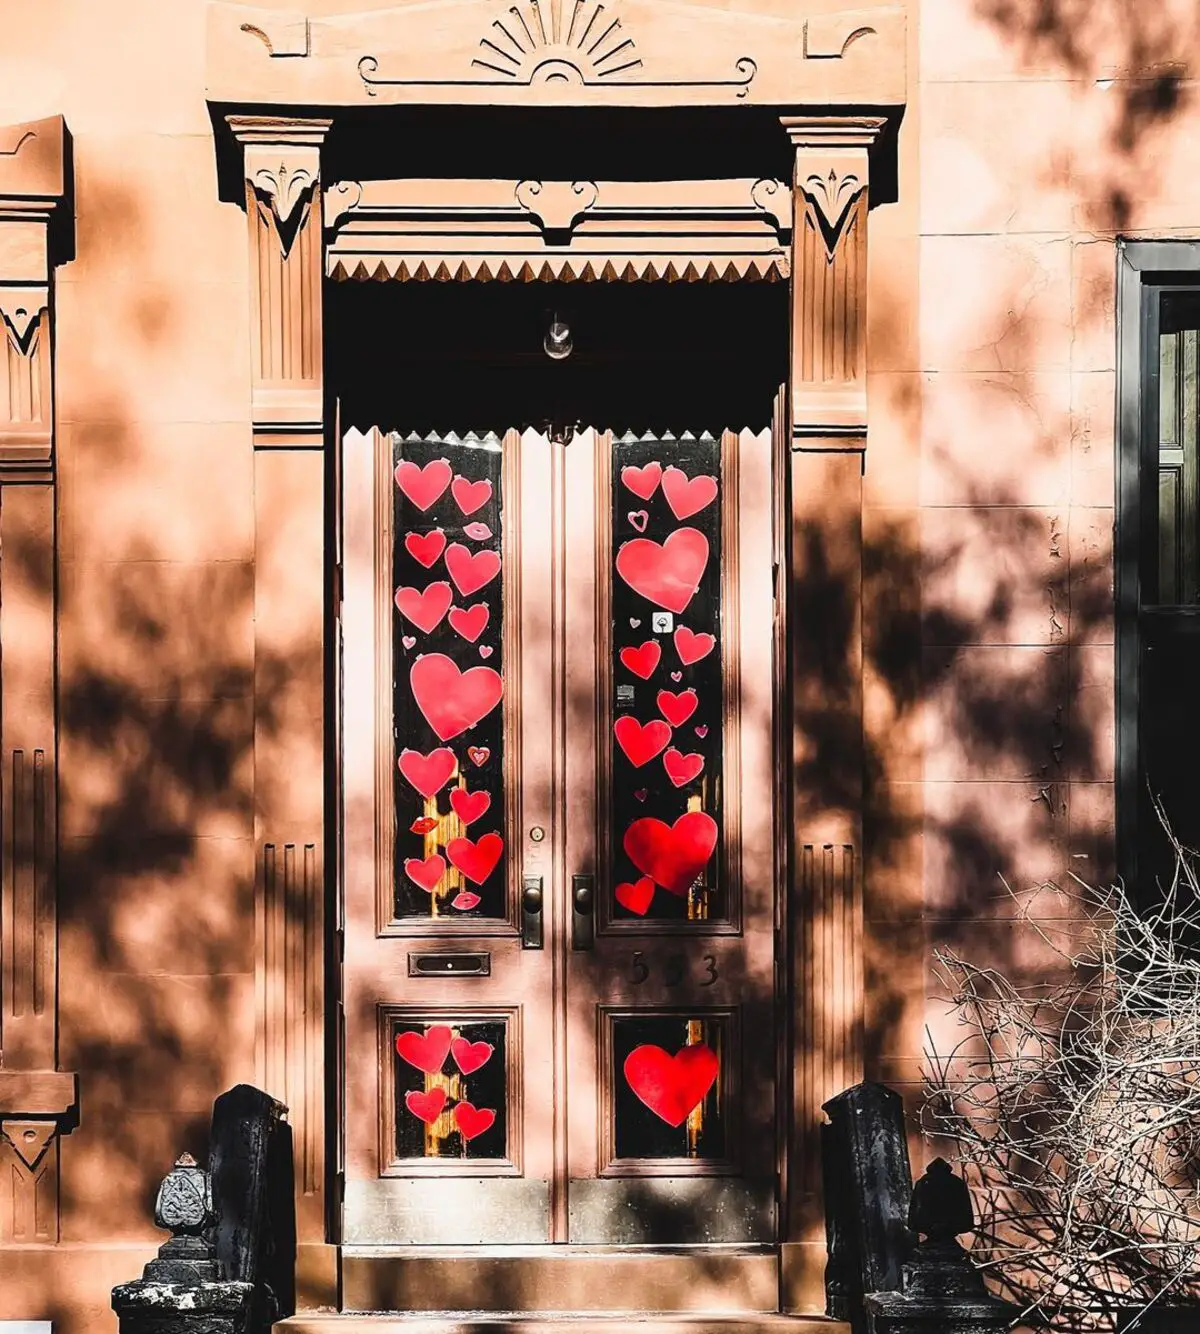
426,1106
425,608
680,768
470,570
423,486
671,855
469,806
428,773
672,1085
425,547
643,660
643,482
691,646
641,744
470,623
677,709
453,700
687,498
470,1056
667,575
635,897
471,1120
471,496
427,1051
425,872
475,860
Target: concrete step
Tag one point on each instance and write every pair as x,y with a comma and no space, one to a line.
556,1322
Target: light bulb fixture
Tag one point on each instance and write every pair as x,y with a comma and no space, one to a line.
558,342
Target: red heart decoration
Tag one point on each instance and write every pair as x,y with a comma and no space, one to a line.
636,897
677,709
470,623
471,1120
471,496
427,872
477,532
465,900
428,773
475,860
643,482
638,519
426,1107
687,497
667,575
671,855
641,744
470,570
701,732
691,646
469,806
409,641
423,486
672,1085
680,768
478,755
643,660
676,676
453,700
427,1051
641,794
426,547
425,608
470,1056
426,824
486,650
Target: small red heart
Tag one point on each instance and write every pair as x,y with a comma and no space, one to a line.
425,825
701,731
465,900
477,532
687,497
643,660
427,1051
486,650
470,1056
428,773
636,897
425,607
672,1085
471,496
638,519
676,676
426,1107
677,709
680,768
641,793
475,860
643,482
691,646
472,1121
673,856
425,872
423,486
425,548
478,755
469,806
641,743
668,574
453,700
408,640
471,570
470,623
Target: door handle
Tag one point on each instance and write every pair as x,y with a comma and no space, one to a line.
531,912
583,906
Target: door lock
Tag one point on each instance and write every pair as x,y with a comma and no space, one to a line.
583,909
531,912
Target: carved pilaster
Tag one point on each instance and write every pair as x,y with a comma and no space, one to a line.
829,274
28,1182
282,165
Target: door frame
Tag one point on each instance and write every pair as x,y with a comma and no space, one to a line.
278,83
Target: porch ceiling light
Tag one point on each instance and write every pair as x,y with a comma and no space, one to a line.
559,343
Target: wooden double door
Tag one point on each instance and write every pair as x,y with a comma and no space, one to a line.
561,1019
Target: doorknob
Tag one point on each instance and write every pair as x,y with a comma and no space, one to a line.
583,904
531,912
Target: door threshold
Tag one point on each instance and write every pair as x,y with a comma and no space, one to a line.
561,1322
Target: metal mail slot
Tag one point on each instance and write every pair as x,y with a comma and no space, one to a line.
449,964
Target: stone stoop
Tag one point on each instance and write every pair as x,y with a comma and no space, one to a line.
549,1322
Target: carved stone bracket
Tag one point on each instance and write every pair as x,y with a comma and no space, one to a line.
282,166
557,205
829,277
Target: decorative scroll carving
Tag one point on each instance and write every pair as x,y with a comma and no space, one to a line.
774,198
291,949
830,36
557,205
286,36
593,46
339,200
282,188
28,1182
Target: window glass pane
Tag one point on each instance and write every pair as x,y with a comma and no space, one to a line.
1178,459
447,656
666,736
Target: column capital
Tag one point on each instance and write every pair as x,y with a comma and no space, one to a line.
833,131
300,131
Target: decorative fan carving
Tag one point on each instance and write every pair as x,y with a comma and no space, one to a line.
535,41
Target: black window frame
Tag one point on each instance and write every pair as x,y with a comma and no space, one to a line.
1146,270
